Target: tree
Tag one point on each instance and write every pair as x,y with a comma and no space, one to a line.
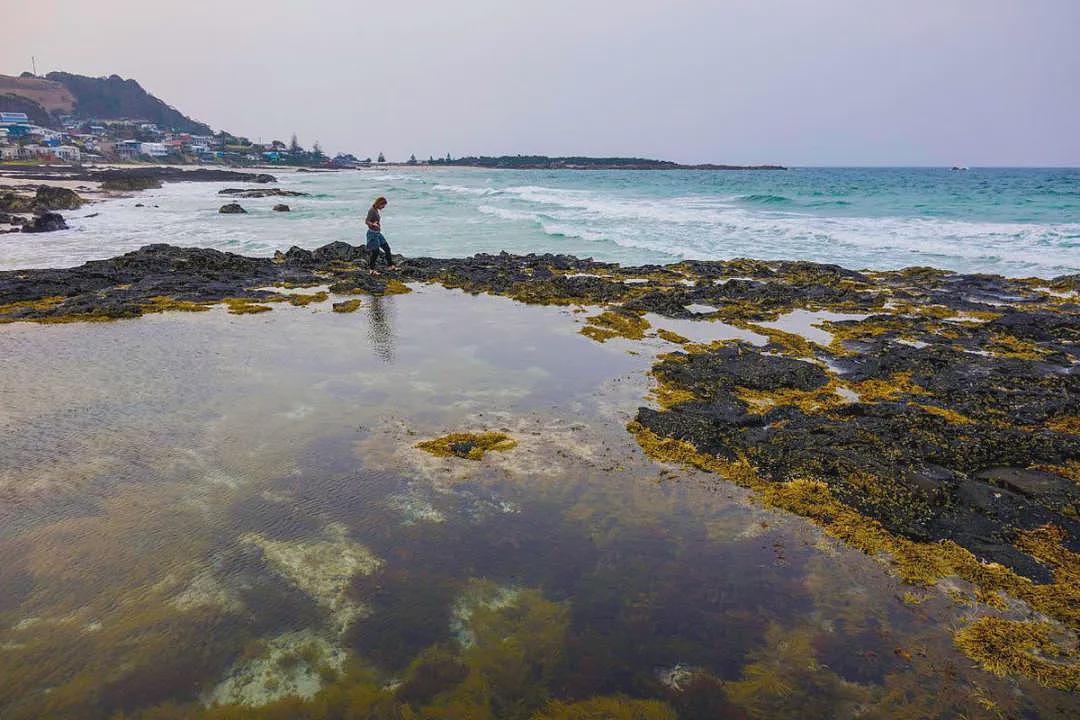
382,158
412,159
316,150
447,157
431,158
294,145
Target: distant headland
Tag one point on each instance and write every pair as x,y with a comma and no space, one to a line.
543,162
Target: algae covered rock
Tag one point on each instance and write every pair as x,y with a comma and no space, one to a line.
231,209
57,198
614,323
347,306
468,446
13,202
130,183
281,207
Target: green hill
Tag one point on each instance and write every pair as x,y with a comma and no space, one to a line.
113,97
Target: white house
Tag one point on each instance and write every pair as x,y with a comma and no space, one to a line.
30,152
14,118
9,152
154,149
67,153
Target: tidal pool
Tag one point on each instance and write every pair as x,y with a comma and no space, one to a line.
205,515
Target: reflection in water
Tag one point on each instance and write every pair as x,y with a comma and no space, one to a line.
381,331
258,528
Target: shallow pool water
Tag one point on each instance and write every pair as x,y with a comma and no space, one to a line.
199,511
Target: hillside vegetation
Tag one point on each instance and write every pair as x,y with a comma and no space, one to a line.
112,97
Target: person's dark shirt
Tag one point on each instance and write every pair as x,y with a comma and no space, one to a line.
373,216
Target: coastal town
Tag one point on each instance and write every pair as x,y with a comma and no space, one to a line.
96,140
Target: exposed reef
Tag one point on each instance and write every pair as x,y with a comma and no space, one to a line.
261,192
925,416
468,446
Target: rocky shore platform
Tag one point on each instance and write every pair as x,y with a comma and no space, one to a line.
928,418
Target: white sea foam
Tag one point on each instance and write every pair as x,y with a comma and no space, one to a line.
453,213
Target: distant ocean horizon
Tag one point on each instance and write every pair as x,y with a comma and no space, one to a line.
1010,221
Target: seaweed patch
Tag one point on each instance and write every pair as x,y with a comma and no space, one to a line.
468,446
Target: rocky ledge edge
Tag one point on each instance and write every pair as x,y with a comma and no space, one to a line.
938,428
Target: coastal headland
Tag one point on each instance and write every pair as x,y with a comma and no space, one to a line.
922,416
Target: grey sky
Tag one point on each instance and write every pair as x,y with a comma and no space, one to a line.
828,82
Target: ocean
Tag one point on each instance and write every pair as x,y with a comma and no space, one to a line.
1016,222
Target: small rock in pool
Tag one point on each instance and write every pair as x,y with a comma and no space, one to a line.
469,446
232,209
347,306
281,207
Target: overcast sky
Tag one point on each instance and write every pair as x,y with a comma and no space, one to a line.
822,82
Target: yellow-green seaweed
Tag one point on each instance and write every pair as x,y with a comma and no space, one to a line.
466,445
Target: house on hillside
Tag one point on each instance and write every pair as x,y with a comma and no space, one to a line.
14,118
67,153
154,149
35,152
9,152
127,149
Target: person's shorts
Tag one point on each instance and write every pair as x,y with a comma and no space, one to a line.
375,240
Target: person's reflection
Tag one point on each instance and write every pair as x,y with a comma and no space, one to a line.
380,333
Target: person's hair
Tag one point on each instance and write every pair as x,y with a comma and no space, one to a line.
379,201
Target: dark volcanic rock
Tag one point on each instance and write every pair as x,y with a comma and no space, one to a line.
264,178
298,256
45,222
932,459
132,280
281,207
231,209
339,250
261,192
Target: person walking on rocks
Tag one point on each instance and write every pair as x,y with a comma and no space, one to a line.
375,239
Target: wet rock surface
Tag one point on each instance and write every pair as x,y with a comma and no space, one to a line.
45,222
261,192
231,209
136,174
45,198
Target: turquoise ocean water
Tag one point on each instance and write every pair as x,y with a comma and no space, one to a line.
1008,221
